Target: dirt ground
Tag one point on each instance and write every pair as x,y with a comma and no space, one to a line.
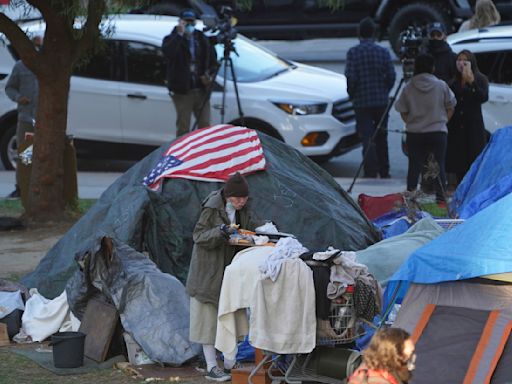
21,250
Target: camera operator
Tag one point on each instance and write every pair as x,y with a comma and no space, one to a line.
370,77
438,48
191,61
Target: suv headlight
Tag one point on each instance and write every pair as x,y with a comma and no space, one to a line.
301,108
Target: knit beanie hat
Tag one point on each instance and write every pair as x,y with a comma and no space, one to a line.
367,28
236,186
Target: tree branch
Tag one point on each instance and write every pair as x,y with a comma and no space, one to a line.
21,42
45,8
90,30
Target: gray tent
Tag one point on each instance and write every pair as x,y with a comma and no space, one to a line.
462,331
152,232
295,193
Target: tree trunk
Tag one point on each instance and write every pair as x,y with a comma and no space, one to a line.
46,201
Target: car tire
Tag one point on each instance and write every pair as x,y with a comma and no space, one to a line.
422,14
321,159
8,147
165,8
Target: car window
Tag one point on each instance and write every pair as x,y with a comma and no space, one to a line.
506,69
101,65
252,63
144,63
489,64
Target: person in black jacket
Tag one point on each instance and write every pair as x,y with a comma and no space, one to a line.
438,48
466,130
191,63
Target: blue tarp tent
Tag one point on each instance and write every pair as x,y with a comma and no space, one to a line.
482,245
489,178
461,325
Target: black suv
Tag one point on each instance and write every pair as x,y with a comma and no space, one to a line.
296,19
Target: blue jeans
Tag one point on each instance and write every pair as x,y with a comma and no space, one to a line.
377,159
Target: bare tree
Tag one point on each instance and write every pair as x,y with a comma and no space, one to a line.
64,44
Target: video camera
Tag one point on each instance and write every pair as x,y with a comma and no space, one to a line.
411,40
221,27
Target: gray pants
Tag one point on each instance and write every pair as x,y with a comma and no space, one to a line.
22,128
188,104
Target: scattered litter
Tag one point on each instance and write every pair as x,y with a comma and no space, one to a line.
44,349
128,369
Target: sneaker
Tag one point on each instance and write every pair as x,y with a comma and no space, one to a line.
14,194
236,366
217,374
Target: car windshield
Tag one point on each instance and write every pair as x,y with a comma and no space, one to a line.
253,63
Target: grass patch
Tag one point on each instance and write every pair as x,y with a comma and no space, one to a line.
435,210
13,207
16,369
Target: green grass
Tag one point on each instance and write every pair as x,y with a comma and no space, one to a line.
13,208
16,369
435,210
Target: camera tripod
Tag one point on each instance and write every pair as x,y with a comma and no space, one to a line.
228,62
376,132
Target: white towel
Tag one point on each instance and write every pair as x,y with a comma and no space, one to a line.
286,248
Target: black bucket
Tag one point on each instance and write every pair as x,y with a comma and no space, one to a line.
68,349
13,322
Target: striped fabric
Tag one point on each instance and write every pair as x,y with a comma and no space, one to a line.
210,154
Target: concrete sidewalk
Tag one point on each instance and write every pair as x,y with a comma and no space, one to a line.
92,184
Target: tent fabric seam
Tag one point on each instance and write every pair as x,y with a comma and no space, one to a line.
422,322
480,348
499,352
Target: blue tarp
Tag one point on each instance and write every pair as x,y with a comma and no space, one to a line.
480,246
489,178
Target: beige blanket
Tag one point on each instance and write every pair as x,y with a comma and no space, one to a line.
236,295
282,316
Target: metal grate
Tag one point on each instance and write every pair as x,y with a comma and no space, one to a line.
343,321
343,111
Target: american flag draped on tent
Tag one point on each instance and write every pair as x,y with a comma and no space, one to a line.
209,154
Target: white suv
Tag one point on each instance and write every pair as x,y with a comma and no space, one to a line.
492,47
119,106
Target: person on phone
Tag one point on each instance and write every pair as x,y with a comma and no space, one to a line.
466,131
221,212
191,63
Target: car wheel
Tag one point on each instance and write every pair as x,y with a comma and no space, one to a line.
321,159
260,126
9,147
165,8
416,15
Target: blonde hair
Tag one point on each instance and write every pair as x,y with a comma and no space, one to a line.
386,350
485,15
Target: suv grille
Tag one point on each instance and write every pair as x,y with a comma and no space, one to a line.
343,111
